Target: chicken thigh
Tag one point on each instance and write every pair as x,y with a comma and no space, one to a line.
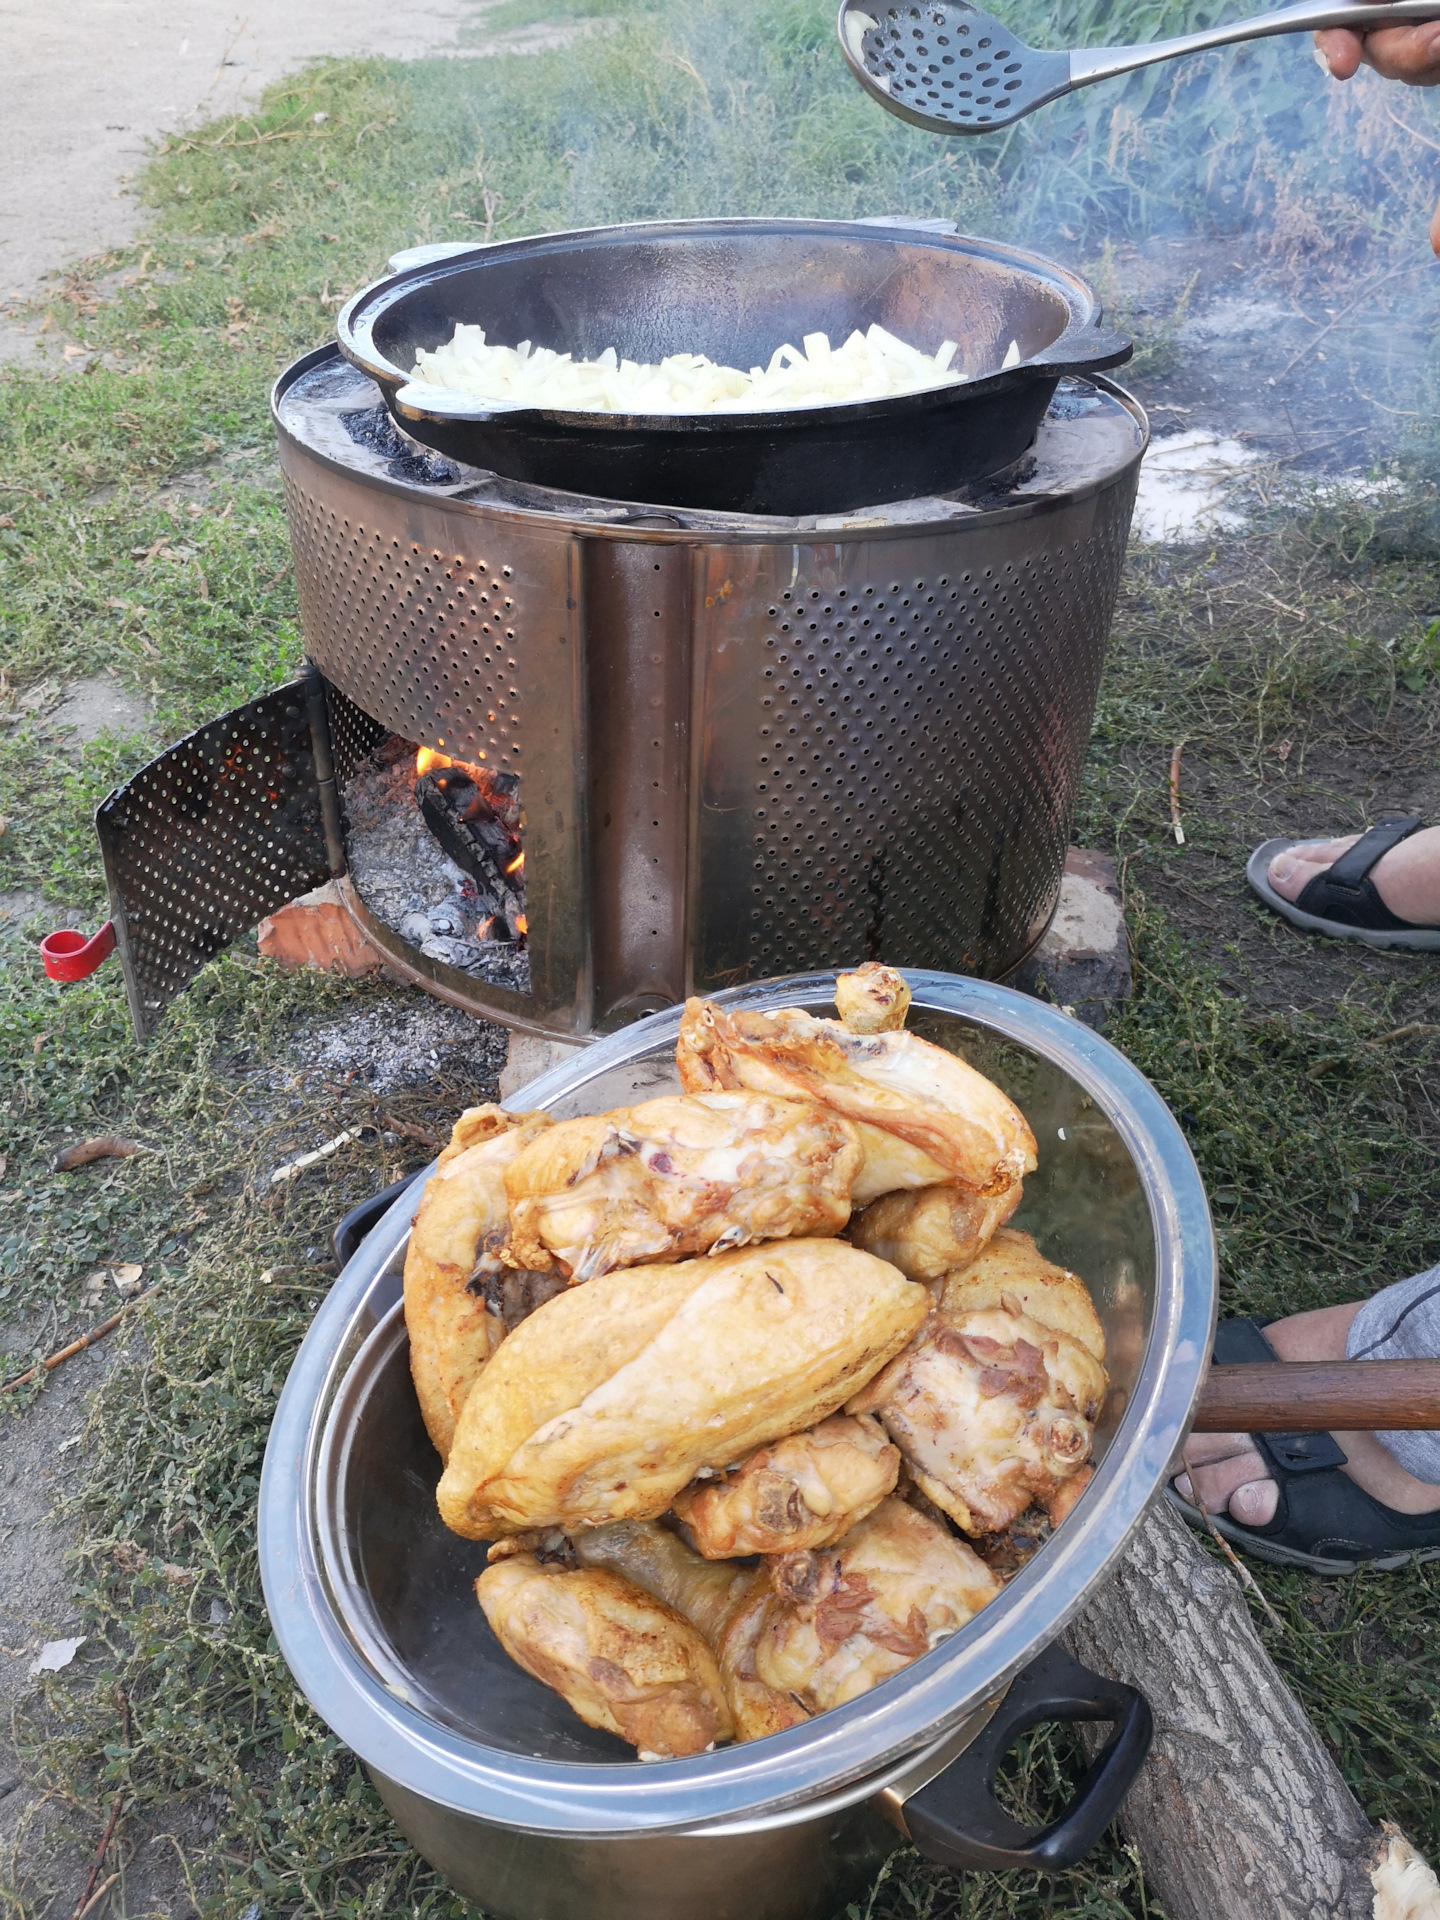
681,1175
841,1619
931,1230
804,1491
925,1117
625,1661
994,1404
454,1257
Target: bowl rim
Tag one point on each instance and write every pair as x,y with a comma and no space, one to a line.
783,1777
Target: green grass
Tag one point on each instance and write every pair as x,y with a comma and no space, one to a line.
1317,1133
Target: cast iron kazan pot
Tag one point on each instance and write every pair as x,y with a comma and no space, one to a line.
532,1815
735,290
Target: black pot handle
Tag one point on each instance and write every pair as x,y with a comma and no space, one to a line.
360,1220
1083,353
956,1820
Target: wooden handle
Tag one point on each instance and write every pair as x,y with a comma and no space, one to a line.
1315,1396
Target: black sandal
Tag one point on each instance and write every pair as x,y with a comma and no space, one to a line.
1342,901
1323,1521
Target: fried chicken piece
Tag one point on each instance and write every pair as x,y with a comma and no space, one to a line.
926,1118
454,1252
843,1618
931,1230
872,999
611,1398
804,1491
623,1660
681,1175
995,1402
724,1603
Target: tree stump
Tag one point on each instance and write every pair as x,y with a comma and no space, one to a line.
1239,1813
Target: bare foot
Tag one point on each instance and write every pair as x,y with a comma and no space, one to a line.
1229,1471
1407,878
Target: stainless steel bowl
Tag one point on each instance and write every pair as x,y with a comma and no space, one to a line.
536,1817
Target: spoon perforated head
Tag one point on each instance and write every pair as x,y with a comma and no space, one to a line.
948,67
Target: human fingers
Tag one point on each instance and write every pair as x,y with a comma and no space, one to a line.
1410,54
1340,50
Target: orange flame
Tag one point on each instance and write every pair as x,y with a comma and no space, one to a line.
522,925
427,760
517,865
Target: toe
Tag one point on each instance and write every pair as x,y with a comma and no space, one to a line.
1292,871
1254,1504
1218,1481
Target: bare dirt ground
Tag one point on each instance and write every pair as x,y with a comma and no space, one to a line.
86,87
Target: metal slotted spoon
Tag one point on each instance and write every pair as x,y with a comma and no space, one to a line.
949,68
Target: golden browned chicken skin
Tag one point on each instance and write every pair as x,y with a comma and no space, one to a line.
841,1619
925,1117
454,1252
804,1491
613,1396
931,1230
625,1661
726,1605
872,999
995,1402
677,1176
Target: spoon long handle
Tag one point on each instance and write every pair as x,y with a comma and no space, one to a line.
1315,1396
1089,64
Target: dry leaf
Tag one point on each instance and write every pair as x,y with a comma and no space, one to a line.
104,1146
127,1277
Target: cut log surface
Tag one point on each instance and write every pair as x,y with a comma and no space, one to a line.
1239,1813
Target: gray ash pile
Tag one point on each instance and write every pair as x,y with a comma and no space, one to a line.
405,876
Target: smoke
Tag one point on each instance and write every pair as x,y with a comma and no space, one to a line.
1261,228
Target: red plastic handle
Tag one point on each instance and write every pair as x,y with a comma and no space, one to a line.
70,956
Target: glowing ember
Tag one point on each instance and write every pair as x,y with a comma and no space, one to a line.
427,760
517,865
522,925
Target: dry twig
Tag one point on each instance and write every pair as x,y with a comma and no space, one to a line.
1175,793
78,1346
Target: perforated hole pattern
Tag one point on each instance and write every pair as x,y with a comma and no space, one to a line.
204,842
422,638
934,58
918,755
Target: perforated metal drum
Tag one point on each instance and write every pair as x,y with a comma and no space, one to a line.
745,745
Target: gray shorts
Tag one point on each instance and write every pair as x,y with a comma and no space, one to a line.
1403,1323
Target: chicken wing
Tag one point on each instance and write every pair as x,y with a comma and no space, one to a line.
995,1402
929,1231
453,1254
805,1491
873,999
681,1175
609,1399
841,1619
624,1661
937,1119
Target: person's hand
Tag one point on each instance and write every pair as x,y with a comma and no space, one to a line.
1411,54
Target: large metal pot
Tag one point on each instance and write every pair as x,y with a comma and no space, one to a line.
735,290
534,1816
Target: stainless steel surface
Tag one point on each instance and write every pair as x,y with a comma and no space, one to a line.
370,1603
746,745
950,68
735,289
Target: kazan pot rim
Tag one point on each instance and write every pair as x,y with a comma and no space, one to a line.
1079,346
653,521
764,1782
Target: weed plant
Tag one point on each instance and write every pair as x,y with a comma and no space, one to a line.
142,535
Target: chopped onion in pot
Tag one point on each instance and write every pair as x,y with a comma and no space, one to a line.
873,365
